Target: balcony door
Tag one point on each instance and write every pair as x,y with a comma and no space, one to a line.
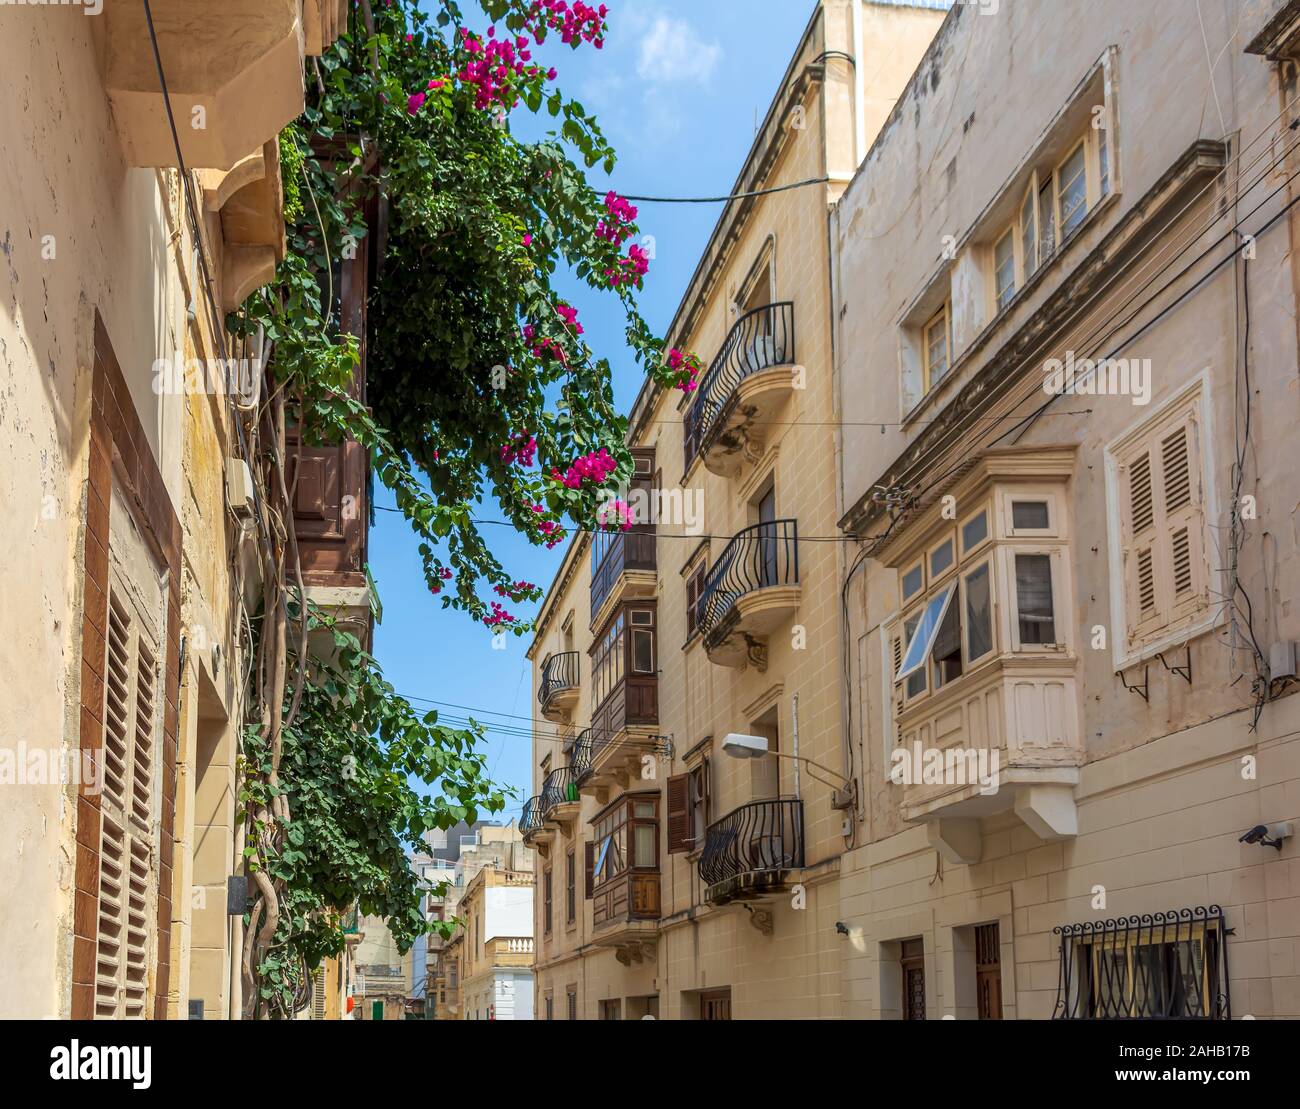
767,539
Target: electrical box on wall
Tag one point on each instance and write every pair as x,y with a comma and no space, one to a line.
239,488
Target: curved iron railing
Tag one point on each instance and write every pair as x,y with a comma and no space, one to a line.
1169,965
580,758
760,556
530,817
760,339
559,672
561,785
763,837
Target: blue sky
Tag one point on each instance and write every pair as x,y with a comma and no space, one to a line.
678,90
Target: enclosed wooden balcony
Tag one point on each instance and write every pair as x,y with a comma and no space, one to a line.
234,74
749,592
623,567
750,853
557,694
743,390
1005,737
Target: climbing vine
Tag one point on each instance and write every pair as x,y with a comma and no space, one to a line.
479,389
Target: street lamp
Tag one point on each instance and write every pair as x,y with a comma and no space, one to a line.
740,746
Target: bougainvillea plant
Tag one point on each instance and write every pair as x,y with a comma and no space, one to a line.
480,389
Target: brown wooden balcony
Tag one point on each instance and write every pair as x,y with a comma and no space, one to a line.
750,590
557,694
625,914
622,566
623,730
749,854
743,390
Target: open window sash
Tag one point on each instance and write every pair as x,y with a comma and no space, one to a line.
922,642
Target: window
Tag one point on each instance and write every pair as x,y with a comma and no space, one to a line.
1156,474
546,901
1166,965
1001,570
935,343
572,999
1056,200
979,613
625,838
694,589
611,1009
688,809
626,646
550,1007
1034,609
974,531
1004,268
570,888
715,1004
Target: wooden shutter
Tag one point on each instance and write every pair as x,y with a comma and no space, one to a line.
679,814
1163,528
589,865
126,857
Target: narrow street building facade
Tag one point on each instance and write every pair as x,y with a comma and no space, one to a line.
1065,308
675,880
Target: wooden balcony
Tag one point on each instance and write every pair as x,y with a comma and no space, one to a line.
557,693
751,852
745,387
1008,736
623,568
749,592
625,915
624,729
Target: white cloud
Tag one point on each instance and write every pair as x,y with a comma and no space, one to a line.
672,50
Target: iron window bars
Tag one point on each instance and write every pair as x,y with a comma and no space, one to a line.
1157,966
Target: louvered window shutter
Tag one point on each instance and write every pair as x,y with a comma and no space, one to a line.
1184,587
679,814
1141,593
126,895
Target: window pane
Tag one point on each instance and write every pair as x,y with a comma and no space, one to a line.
1029,515
645,845
918,649
912,582
642,616
643,651
1046,223
936,345
979,614
1074,191
974,531
941,559
1028,233
645,809
1004,269
1034,598
1103,159
916,682
946,652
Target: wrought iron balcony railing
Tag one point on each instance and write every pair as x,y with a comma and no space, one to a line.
753,846
561,785
559,672
760,339
580,758
758,557
530,817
